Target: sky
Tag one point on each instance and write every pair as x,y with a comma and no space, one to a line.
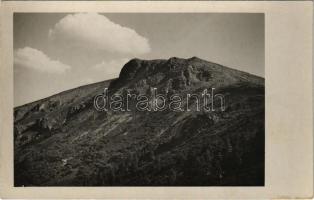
54,52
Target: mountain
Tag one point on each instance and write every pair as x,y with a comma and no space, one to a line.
63,140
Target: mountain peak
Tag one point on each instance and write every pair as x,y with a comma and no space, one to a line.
181,73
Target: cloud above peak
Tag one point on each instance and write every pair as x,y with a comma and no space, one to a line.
95,31
35,59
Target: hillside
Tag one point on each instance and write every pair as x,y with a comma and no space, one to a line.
63,140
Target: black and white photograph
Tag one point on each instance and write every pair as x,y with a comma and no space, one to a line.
139,99
156,99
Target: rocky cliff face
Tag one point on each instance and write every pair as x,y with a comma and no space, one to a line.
176,74
63,140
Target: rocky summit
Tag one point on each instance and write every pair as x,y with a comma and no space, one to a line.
63,140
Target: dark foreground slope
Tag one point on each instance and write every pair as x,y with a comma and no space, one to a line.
63,141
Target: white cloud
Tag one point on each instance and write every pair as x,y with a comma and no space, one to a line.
112,68
35,59
95,31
